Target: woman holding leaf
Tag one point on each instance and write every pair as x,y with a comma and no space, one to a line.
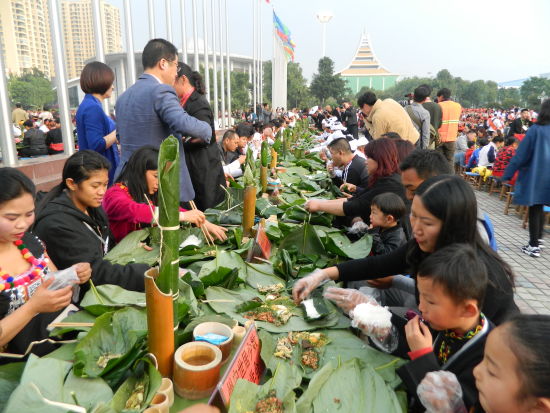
130,204
27,306
72,223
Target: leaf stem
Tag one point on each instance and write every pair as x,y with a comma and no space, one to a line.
96,292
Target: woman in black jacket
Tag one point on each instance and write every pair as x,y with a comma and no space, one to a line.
75,228
444,212
203,159
383,169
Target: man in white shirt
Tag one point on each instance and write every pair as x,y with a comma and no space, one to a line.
45,127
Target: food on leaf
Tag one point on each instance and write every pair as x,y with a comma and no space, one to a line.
269,404
271,289
310,358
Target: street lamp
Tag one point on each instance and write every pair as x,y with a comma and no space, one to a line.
324,17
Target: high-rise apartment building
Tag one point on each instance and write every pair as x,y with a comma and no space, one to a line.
25,36
78,32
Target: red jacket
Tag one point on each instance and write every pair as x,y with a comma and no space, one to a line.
125,215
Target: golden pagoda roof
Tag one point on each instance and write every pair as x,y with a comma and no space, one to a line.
365,62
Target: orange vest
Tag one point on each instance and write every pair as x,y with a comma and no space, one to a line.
449,122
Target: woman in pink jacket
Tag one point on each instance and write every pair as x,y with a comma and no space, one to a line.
130,203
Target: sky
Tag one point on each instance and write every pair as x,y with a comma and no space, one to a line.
474,39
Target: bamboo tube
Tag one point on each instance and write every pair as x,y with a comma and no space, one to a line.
263,178
249,210
160,323
168,195
273,158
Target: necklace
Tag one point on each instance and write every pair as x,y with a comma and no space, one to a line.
8,282
452,342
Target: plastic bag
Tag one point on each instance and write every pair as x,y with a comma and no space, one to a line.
64,278
440,392
375,321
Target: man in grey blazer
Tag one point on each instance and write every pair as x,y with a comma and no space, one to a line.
149,111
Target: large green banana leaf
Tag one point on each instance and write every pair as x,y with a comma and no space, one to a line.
343,345
224,301
246,394
49,379
350,386
109,297
115,341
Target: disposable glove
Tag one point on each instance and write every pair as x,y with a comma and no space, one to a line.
347,298
304,286
440,392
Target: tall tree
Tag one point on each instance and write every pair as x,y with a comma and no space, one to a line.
326,84
31,89
532,88
298,94
240,91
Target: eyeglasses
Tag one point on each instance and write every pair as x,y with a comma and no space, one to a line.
173,62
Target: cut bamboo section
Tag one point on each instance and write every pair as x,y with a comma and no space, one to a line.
263,178
249,210
160,323
273,158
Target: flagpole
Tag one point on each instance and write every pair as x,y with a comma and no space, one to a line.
222,75
151,15
229,117
254,4
195,37
257,18
183,33
205,42
260,62
168,10
214,64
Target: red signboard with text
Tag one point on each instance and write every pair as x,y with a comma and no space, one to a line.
247,364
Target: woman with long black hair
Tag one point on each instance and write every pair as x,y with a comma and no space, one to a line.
73,225
443,212
203,159
131,202
27,305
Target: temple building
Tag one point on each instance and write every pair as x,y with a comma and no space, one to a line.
366,70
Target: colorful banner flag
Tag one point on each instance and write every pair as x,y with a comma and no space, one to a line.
284,34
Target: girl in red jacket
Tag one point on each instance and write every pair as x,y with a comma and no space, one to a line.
130,203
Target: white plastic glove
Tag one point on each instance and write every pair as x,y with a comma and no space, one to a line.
347,298
440,392
304,286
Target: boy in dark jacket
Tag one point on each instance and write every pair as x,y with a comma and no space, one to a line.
449,300
386,211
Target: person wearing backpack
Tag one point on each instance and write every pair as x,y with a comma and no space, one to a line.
420,116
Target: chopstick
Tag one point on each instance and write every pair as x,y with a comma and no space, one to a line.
68,324
203,229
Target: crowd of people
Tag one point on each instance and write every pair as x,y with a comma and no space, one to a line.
433,252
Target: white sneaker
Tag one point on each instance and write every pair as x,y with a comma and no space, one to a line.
541,244
531,251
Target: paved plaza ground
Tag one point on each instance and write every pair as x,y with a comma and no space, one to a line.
532,274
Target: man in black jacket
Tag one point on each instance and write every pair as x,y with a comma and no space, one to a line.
521,124
349,118
352,167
